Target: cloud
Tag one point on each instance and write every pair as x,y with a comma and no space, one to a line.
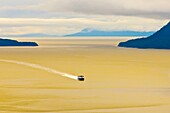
143,8
68,16
159,9
61,26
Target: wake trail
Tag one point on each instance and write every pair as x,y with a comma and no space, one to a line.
50,70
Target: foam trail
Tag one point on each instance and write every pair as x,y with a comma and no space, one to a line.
42,68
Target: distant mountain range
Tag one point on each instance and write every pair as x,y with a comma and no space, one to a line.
9,42
87,33
159,40
92,32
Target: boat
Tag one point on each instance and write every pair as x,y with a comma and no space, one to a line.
80,78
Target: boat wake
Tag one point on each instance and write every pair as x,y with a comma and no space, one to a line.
41,67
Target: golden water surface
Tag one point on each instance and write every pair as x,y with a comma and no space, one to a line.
117,80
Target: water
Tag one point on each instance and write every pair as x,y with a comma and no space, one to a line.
118,79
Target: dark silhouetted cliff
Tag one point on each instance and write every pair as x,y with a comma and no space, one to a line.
159,40
8,42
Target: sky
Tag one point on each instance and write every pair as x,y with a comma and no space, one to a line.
70,16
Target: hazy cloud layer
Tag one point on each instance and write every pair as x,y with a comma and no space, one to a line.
145,8
54,8
71,25
68,16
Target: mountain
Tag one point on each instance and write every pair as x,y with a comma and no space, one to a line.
87,32
159,40
8,42
92,32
